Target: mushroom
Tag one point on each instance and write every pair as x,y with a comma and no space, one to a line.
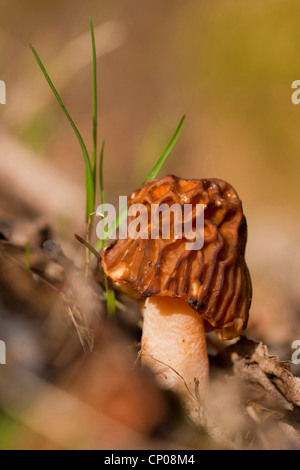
185,292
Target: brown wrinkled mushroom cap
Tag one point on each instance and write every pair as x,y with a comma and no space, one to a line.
214,280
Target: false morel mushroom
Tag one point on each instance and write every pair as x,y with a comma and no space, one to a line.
185,292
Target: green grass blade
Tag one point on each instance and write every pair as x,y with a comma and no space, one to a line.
101,185
120,217
153,173
90,186
100,243
110,298
102,194
95,103
110,294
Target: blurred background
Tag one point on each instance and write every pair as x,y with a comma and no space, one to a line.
228,65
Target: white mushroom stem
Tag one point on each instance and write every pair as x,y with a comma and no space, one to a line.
174,347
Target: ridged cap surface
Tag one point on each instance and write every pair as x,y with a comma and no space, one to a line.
213,280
